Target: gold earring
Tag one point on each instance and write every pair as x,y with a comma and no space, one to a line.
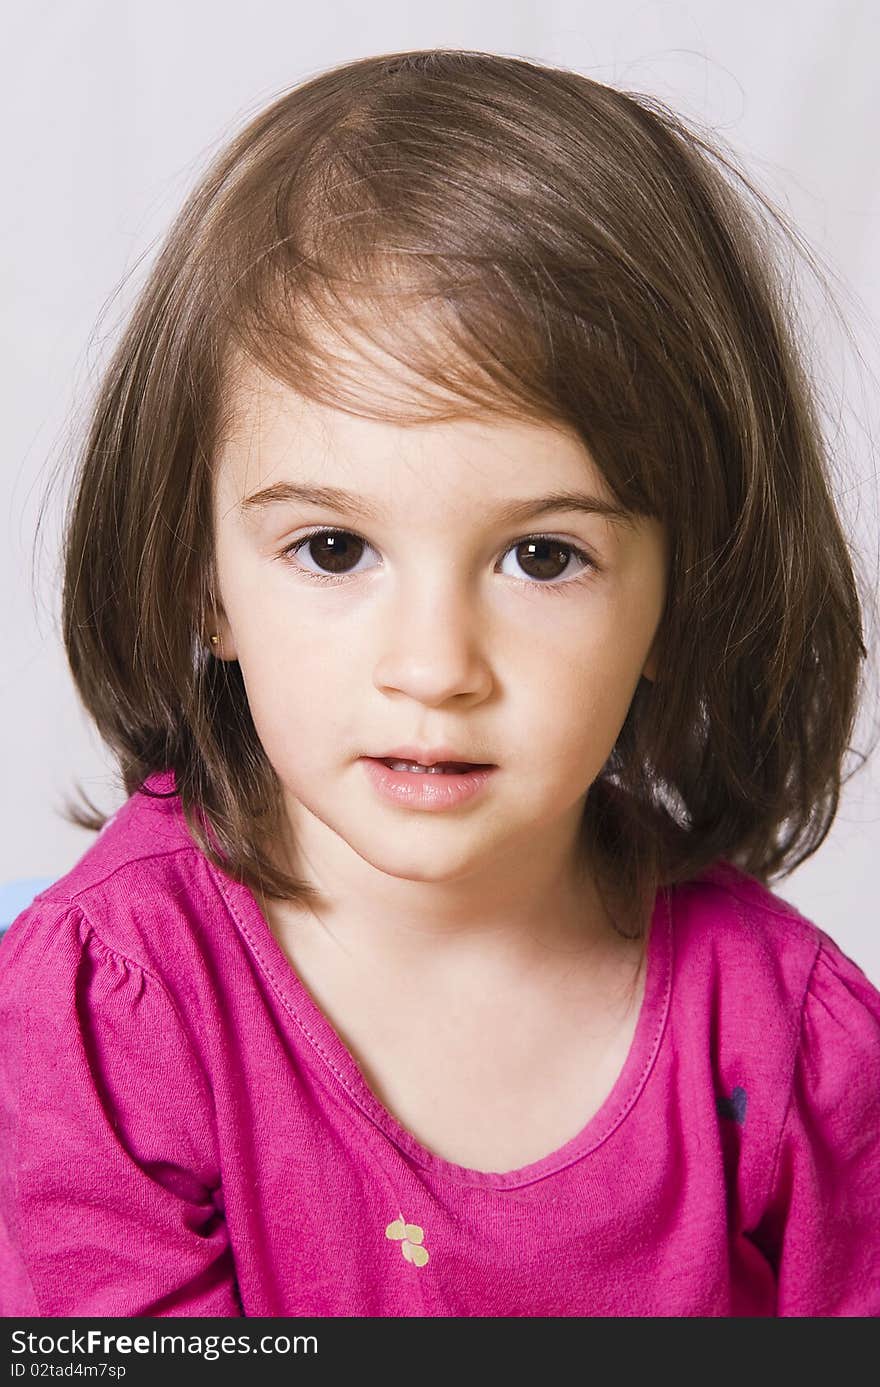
215,640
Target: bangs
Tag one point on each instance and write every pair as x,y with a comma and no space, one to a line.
386,350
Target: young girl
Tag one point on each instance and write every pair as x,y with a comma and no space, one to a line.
454,572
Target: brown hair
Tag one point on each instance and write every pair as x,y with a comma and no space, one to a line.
524,240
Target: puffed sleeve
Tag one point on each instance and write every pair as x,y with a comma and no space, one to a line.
110,1196
822,1229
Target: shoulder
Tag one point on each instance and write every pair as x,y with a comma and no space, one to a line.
112,964
748,946
143,892
770,990
763,989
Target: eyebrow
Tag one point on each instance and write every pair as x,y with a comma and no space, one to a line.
335,498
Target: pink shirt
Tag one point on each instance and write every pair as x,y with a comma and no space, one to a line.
184,1133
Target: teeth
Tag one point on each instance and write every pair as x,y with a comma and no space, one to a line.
415,766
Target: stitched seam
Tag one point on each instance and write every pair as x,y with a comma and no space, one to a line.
73,898
655,1041
276,988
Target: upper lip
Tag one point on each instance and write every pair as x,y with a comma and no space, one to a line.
428,756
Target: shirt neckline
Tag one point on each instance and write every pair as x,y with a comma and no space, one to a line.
325,1040
337,1058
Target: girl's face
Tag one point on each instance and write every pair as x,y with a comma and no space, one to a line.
422,616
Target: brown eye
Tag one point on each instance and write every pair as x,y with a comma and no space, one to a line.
333,551
550,564
543,558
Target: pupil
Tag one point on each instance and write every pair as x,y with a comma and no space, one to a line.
335,546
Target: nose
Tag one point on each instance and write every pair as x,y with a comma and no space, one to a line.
432,647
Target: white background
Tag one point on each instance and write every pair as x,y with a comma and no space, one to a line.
110,112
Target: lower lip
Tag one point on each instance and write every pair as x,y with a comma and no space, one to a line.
425,789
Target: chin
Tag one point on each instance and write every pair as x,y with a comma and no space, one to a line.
428,867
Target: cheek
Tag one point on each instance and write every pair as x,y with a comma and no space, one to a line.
579,695
581,659
291,689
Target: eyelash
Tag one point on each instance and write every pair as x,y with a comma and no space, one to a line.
590,564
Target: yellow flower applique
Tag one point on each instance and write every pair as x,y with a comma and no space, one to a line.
412,1237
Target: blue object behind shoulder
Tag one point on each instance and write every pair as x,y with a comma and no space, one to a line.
15,895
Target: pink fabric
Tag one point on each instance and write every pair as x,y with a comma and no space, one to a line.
184,1133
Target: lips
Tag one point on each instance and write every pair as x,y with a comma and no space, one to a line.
445,756
427,789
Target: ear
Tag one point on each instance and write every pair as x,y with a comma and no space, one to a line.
224,649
